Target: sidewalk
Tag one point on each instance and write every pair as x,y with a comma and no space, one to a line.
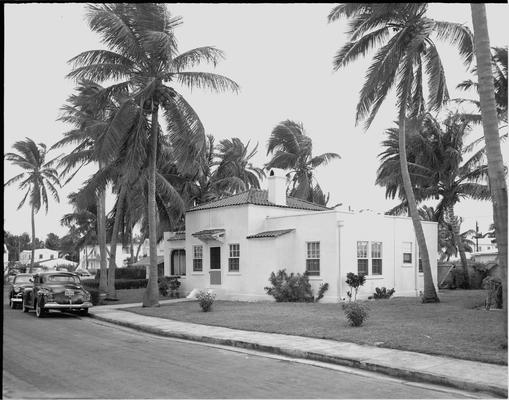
462,374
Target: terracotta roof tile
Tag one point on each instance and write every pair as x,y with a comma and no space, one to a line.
270,234
260,198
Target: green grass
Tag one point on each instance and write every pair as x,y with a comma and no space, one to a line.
458,326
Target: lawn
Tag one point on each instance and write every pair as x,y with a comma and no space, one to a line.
126,296
458,326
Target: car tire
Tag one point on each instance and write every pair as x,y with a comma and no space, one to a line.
24,307
84,312
39,311
11,303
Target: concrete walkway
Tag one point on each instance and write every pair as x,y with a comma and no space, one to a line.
462,374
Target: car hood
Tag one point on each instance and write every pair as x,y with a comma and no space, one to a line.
61,287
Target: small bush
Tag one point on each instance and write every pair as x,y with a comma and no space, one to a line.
354,281
355,312
168,285
205,299
321,291
383,293
290,288
126,273
94,296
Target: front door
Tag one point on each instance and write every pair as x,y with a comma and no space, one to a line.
215,265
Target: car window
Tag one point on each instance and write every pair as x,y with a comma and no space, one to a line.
22,279
61,278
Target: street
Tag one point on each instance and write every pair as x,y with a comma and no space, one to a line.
67,356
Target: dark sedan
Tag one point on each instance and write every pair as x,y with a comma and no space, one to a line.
56,291
18,285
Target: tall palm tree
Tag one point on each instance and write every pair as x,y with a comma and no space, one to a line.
406,55
143,55
498,185
437,169
90,112
39,178
291,150
235,172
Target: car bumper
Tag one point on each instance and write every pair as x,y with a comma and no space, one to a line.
16,299
57,306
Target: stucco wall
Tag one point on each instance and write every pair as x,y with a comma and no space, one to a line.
40,255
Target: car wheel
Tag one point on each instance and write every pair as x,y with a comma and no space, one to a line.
11,303
24,307
84,312
39,311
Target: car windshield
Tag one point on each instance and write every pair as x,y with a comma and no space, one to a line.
22,279
61,278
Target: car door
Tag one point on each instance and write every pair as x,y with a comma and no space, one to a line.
29,293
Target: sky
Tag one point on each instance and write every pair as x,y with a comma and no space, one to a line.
279,54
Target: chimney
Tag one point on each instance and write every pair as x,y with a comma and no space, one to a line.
277,186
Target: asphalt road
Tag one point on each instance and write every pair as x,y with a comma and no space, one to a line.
71,357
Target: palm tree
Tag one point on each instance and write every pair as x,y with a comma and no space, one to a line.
496,170
406,53
291,150
143,53
499,67
438,170
38,179
90,112
234,171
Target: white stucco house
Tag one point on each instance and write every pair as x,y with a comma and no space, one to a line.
25,257
233,244
6,257
90,257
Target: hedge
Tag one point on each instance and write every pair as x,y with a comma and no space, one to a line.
119,284
126,273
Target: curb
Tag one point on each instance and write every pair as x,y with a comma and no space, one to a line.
415,376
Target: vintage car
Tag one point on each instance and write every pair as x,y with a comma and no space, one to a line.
18,285
56,291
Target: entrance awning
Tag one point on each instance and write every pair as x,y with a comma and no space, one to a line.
270,234
208,235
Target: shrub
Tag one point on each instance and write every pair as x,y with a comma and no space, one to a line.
206,299
94,296
355,312
119,283
354,281
126,273
321,291
383,293
290,288
168,284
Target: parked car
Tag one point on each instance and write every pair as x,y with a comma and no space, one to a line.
18,285
56,291
84,274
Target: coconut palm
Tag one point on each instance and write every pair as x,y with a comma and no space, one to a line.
291,150
143,56
235,172
406,55
498,185
438,169
39,178
90,112
499,67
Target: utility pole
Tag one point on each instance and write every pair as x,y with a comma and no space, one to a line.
476,236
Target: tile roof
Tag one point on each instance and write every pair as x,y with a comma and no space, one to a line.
260,198
270,234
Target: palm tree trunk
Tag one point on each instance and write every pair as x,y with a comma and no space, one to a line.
430,294
498,186
101,233
33,237
459,244
113,243
151,295
139,247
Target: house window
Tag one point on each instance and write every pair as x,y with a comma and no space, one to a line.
52,256
376,258
234,259
40,256
362,258
420,265
313,258
197,258
407,252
